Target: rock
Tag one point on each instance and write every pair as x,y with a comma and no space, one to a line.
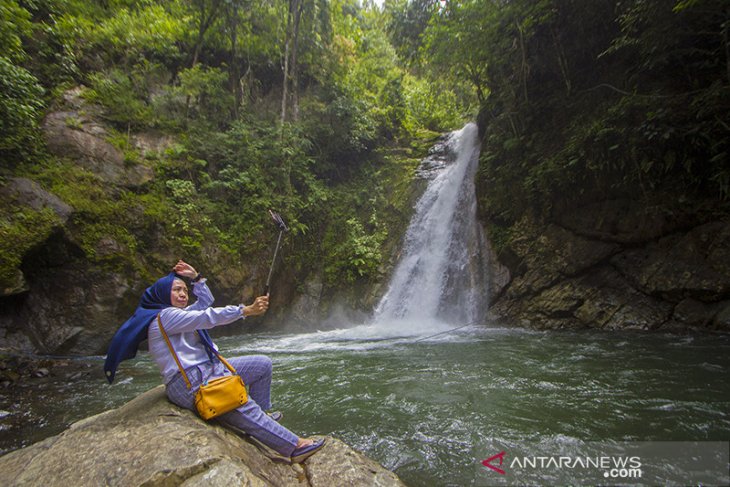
551,253
16,285
721,321
338,464
81,324
75,132
23,193
498,275
693,265
42,372
305,308
622,220
564,280
694,313
600,299
26,192
152,442
151,144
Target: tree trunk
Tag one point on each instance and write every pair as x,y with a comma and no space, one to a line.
235,77
524,68
294,66
562,60
203,26
290,46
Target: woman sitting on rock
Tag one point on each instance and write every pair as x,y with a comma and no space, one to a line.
187,328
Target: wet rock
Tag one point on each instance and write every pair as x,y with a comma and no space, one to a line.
42,372
552,254
693,265
306,306
564,280
81,324
623,220
151,442
721,321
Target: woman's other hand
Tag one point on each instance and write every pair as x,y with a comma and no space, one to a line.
258,307
184,269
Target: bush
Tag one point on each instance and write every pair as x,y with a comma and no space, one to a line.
20,107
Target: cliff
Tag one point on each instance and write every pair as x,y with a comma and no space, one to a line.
613,265
152,442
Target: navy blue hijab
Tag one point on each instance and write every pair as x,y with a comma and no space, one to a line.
134,330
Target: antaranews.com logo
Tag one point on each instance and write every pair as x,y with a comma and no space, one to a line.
613,467
667,463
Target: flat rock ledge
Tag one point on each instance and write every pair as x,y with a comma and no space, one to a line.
151,442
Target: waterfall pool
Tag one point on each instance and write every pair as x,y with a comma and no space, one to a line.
433,409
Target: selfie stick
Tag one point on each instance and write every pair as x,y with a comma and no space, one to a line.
279,222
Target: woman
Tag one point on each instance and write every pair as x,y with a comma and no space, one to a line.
186,327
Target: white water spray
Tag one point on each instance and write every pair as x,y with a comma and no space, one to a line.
441,275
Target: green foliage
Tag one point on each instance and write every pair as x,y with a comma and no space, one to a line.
124,34
408,19
185,214
584,101
102,223
432,106
353,250
20,108
122,97
206,94
207,74
15,25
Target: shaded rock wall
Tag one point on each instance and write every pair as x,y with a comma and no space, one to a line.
612,265
152,442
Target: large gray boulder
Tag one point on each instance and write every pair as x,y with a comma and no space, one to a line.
151,442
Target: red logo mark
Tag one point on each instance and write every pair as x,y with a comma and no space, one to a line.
488,463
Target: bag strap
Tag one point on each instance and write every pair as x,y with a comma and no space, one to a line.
225,362
177,360
172,351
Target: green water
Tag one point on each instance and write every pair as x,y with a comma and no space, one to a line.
432,410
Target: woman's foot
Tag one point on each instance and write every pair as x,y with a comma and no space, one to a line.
306,448
276,415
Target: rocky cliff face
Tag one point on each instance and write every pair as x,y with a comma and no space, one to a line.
152,442
59,300
613,265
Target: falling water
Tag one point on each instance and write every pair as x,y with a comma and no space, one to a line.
441,274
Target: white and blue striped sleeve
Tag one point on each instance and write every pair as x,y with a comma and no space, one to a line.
205,297
176,320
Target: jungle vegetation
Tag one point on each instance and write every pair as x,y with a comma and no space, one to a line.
321,109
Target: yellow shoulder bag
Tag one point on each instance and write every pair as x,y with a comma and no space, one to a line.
217,396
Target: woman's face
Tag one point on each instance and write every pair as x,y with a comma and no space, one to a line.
179,294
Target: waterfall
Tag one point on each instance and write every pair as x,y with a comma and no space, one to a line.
441,275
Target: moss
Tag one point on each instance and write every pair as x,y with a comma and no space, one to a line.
21,229
499,237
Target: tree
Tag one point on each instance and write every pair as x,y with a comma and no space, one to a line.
407,21
206,13
291,44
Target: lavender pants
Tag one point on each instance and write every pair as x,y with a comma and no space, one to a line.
255,370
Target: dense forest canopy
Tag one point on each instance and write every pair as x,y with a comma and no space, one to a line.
308,105
291,105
